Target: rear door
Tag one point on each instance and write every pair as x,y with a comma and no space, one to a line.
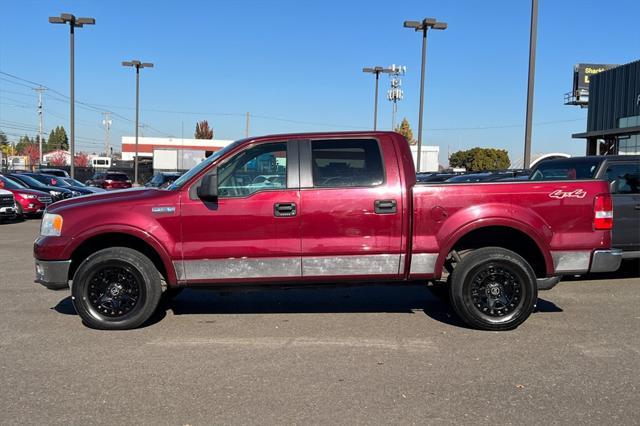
351,208
625,179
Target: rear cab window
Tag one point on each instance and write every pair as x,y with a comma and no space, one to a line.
570,169
339,163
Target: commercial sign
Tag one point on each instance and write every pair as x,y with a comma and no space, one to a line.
582,73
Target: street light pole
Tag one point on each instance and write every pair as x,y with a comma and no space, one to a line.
423,26
376,70
531,79
67,18
137,65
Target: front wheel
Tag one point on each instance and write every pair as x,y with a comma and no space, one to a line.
493,289
117,288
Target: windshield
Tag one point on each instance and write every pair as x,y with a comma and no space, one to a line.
179,183
31,181
10,184
51,180
73,182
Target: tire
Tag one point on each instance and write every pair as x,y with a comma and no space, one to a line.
117,288
493,289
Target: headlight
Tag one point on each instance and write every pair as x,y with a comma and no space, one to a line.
28,196
51,225
55,193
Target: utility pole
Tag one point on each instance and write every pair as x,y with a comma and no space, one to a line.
376,70
40,90
106,122
395,94
137,65
67,18
532,71
423,26
246,130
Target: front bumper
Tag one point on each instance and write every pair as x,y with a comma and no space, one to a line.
9,212
53,274
606,260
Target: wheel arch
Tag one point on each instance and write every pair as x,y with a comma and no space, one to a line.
101,240
511,235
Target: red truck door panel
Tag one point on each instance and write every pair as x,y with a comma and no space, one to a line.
351,208
253,231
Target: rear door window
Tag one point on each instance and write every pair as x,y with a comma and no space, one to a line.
339,163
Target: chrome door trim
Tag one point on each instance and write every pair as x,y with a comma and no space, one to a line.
276,267
376,264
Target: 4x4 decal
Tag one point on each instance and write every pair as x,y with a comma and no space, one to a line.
560,194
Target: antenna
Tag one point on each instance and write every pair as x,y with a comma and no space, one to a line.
395,93
106,122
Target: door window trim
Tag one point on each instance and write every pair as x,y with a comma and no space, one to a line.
293,170
306,168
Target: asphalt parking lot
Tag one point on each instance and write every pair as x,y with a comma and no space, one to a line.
348,356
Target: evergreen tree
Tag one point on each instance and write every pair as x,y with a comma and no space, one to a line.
405,130
57,140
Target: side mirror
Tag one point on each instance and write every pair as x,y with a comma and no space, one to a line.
208,189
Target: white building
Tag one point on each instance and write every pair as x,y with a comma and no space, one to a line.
57,154
428,158
147,145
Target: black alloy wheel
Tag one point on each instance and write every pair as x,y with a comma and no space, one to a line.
116,288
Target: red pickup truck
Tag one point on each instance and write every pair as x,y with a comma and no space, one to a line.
321,209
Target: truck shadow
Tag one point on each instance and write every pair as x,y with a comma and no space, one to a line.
382,299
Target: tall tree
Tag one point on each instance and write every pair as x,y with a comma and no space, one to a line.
405,130
23,143
3,139
58,139
203,131
479,159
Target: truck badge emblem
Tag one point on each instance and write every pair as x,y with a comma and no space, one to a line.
163,210
560,194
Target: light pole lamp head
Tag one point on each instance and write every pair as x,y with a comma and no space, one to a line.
440,26
85,21
56,20
412,24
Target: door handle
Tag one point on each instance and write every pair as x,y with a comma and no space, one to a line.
284,209
385,206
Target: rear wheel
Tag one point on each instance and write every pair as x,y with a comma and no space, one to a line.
493,289
116,289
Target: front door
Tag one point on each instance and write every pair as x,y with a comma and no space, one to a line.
351,209
625,195
252,233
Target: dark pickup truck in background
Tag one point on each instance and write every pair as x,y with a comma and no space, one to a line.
623,174
325,208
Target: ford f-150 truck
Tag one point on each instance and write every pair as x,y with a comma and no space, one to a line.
336,208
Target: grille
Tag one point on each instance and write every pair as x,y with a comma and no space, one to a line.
45,200
6,201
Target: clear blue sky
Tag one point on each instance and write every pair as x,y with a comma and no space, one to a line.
299,63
